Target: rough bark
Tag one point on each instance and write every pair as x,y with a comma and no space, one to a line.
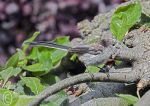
111,101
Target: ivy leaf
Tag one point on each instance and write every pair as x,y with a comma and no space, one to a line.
13,61
9,72
124,18
46,61
18,59
24,45
129,98
44,64
57,55
8,98
33,54
34,68
34,84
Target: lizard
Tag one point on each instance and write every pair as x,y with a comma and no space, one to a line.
96,37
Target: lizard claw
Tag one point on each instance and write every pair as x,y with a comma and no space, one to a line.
141,85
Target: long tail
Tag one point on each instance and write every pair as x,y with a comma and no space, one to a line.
58,46
48,45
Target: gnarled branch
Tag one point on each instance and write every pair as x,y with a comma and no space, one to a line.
86,77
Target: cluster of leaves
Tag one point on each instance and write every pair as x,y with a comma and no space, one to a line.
21,76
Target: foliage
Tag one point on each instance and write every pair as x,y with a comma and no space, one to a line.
10,98
37,62
73,57
8,73
24,46
34,84
131,100
92,69
124,18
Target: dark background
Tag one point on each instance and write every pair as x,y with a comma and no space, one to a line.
20,18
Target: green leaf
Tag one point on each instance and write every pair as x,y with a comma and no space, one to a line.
45,60
49,79
34,53
24,45
57,100
118,62
22,58
124,18
18,59
74,57
8,98
2,67
34,68
9,85
13,61
24,100
62,40
20,87
9,72
57,55
44,64
92,69
129,98
34,84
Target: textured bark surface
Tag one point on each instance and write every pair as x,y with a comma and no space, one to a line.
145,100
111,101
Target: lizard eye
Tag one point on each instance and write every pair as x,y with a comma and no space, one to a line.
128,40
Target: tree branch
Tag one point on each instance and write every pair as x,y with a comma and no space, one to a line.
86,77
